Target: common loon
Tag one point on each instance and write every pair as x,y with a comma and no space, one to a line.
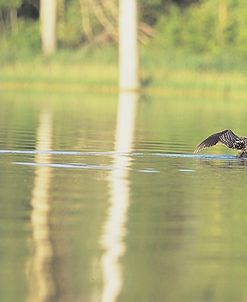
227,138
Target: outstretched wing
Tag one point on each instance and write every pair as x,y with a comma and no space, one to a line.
226,137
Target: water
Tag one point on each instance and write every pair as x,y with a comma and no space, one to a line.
96,206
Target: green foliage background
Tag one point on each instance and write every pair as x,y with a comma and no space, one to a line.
197,28
213,31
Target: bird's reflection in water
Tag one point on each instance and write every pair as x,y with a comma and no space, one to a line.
233,162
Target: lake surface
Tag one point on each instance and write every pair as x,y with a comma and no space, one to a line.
102,199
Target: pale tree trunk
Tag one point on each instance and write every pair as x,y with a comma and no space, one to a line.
48,14
128,46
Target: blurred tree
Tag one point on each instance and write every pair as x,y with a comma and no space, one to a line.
99,20
48,17
87,21
199,26
8,13
102,16
222,21
92,22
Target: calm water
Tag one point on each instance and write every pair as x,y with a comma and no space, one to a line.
103,200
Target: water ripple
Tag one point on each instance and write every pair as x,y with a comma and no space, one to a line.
49,152
68,166
83,153
200,156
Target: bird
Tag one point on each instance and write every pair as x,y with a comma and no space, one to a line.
227,138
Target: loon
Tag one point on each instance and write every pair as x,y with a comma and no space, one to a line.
227,138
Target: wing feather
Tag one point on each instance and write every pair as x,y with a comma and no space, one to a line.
226,137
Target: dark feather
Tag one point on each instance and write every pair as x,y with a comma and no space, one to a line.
226,137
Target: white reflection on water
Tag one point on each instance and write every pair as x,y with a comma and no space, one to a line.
114,230
41,285
65,166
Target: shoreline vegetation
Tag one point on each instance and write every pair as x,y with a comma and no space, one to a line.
187,45
96,71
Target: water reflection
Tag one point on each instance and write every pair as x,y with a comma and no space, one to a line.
113,236
185,214
41,284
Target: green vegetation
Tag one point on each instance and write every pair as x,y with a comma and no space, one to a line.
62,73
207,37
